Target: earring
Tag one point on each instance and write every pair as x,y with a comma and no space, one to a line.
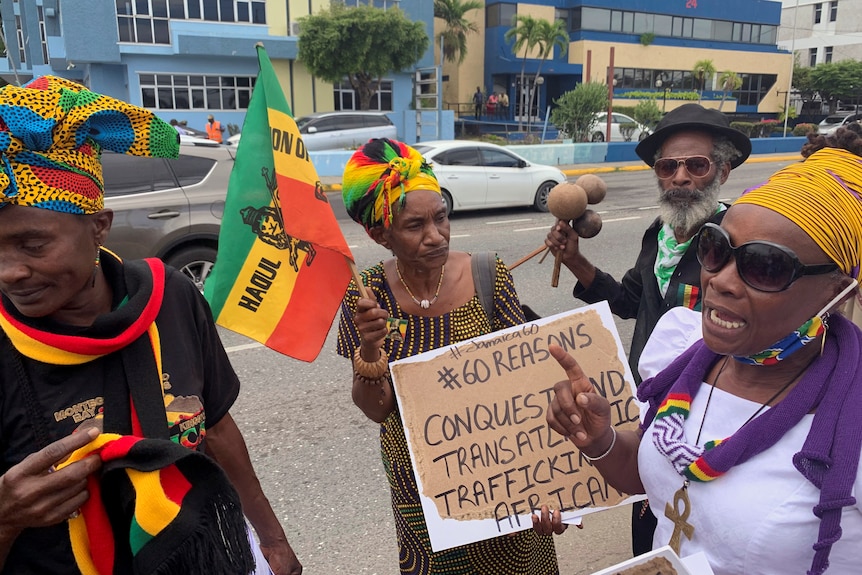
96,265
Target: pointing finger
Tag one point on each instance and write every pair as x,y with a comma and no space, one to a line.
580,382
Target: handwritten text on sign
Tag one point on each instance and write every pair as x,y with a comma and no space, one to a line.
475,419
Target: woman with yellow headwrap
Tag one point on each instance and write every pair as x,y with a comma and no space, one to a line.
750,448
114,385
420,299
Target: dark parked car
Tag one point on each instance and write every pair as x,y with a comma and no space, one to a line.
170,209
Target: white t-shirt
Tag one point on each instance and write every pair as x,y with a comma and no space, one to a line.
757,518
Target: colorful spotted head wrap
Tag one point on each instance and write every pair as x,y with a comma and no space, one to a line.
823,196
52,132
380,174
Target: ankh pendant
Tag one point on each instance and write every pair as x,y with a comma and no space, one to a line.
680,525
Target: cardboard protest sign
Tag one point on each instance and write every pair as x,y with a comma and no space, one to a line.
474,415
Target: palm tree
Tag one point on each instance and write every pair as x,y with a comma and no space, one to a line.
523,36
549,35
702,70
453,12
729,82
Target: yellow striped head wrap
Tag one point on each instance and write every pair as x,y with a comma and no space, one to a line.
823,196
380,174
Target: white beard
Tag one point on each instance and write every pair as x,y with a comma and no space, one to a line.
686,210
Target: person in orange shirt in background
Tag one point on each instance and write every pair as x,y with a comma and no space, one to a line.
214,129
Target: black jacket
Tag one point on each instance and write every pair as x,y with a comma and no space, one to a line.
638,296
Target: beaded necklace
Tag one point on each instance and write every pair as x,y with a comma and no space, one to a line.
424,304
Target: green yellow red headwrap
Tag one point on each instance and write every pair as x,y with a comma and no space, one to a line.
52,132
380,174
823,196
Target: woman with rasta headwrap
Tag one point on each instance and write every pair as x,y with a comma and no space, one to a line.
750,447
114,386
429,291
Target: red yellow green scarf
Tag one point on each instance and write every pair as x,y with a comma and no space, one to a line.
157,508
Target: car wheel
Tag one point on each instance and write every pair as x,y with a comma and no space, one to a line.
195,263
598,137
643,136
447,199
541,200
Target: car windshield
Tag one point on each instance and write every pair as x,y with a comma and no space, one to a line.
833,120
303,121
422,149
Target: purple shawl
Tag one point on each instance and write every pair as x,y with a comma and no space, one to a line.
829,458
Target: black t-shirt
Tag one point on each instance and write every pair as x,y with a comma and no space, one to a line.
199,386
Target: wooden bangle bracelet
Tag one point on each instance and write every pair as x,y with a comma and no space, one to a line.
370,370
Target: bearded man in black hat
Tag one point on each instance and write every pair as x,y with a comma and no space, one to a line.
692,151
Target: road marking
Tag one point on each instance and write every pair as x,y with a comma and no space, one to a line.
243,347
649,208
532,229
508,221
460,236
622,219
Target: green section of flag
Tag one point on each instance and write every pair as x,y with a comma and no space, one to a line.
248,188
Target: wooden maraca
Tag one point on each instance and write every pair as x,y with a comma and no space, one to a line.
567,202
589,224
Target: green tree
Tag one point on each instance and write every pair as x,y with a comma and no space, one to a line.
802,81
549,35
729,81
702,71
837,81
647,113
453,12
523,36
346,42
577,110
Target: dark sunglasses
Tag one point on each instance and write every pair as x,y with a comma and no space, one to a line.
763,266
697,166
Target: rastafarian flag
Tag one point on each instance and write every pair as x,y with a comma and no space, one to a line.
282,266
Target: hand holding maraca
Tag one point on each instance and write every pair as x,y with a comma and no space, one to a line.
568,202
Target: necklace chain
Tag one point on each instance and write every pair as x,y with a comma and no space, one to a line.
424,304
763,406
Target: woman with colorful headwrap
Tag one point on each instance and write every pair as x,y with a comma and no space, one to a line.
750,447
422,298
113,381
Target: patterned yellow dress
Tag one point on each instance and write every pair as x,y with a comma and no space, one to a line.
524,553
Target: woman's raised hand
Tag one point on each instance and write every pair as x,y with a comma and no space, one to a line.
577,411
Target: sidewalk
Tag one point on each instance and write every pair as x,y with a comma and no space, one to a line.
333,183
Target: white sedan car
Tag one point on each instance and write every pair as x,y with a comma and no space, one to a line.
478,175
601,126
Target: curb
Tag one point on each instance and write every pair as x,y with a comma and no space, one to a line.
333,188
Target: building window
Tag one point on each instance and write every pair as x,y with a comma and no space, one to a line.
43,36
812,57
143,21
195,92
346,98
754,88
833,11
818,12
500,15
248,11
827,54
19,34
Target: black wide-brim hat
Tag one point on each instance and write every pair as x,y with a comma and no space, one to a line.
693,118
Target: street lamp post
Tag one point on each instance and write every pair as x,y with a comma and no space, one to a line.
658,84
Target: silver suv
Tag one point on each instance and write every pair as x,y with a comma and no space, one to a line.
339,130
170,209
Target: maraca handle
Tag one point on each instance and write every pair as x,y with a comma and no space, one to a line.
555,277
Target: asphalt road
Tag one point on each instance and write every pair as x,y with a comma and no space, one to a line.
317,455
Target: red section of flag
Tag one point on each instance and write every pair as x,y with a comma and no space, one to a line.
316,297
